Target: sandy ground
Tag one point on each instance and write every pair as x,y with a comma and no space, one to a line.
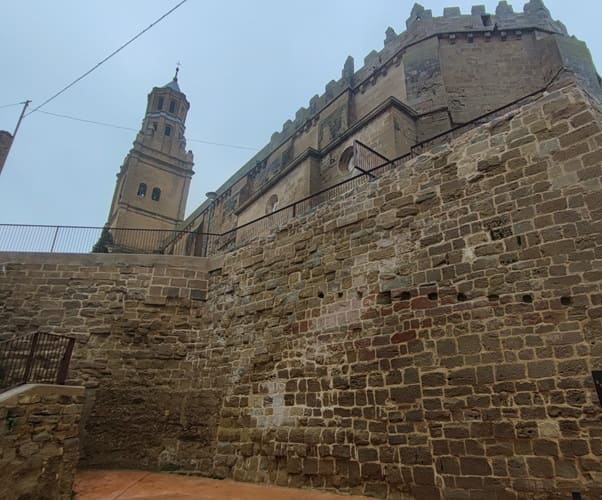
112,485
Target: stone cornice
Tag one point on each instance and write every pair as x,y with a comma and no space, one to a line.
391,102
147,213
151,158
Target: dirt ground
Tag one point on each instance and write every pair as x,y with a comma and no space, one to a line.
139,485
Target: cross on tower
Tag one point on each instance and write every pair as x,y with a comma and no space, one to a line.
177,70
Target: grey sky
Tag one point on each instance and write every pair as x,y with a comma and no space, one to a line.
247,66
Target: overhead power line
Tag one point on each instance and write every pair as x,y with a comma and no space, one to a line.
94,122
224,145
121,127
11,105
106,58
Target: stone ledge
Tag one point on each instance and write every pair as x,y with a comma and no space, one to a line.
11,397
198,263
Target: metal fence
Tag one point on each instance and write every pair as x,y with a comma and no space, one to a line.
34,358
78,239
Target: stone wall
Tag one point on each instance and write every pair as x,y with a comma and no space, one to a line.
39,443
131,316
472,83
431,335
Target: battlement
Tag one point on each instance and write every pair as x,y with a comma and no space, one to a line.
420,25
423,61
534,15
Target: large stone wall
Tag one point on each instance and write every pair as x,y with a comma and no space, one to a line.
434,334
131,315
431,335
39,441
470,82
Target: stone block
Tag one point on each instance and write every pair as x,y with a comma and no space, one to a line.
407,394
475,466
540,467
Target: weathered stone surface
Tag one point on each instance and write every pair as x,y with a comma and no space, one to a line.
39,444
446,354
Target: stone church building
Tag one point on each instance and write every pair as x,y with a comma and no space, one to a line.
441,73
399,296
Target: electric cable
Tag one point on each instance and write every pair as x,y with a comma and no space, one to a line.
11,105
234,146
94,122
106,58
121,127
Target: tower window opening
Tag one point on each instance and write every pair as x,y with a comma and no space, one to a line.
156,194
141,190
172,106
486,18
155,125
167,130
160,104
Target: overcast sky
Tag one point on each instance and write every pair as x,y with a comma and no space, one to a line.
247,66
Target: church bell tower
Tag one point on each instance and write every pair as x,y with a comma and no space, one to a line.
153,182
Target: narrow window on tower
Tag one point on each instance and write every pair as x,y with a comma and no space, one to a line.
160,104
167,130
141,190
172,106
156,195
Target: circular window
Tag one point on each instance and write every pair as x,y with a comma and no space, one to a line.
346,161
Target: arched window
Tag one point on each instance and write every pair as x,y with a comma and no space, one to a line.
160,104
141,190
272,204
156,194
346,161
167,130
172,106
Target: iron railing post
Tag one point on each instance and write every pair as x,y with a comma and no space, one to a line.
56,233
31,357
61,376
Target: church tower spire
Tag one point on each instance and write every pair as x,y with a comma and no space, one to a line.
153,182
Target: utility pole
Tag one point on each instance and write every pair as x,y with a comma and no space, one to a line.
6,140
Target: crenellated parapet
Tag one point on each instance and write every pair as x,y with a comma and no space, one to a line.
416,60
420,25
534,15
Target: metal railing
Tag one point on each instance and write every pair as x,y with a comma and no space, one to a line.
78,239
34,358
